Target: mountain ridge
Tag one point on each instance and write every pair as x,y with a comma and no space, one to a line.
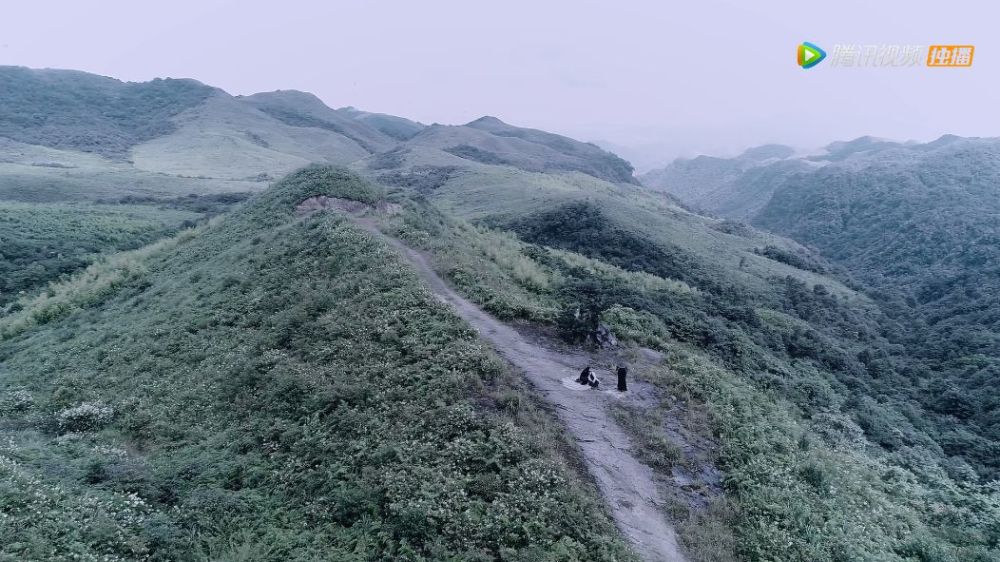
302,129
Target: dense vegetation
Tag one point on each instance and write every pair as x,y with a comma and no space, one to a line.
826,453
801,260
421,179
208,205
75,110
41,243
920,227
916,224
476,154
274,388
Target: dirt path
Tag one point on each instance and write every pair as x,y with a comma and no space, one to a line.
628,485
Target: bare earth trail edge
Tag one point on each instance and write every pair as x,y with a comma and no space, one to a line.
629,487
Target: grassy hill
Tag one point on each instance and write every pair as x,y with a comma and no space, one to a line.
177,127
826,451
181,128
231,139
490,141
62,209
35,174
499,194
301,109
76,110
212,398
787,372
800,374
169,144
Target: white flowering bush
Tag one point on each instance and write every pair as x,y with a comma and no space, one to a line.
88,416
15,402
45,520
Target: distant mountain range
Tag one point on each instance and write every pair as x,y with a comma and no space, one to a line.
733,187
182,126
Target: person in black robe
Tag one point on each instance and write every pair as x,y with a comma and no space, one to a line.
622,375
585,375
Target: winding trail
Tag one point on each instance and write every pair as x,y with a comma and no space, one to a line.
628,486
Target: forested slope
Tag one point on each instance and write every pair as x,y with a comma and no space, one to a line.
919,226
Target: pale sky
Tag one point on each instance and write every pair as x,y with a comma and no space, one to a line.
658,78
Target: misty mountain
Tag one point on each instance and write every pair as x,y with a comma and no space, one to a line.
731,187
182,127
866,146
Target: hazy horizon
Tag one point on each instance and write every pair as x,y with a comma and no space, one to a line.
647,80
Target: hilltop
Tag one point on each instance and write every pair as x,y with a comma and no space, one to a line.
216,400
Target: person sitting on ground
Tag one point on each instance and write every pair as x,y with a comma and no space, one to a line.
622,374
584,376
593,381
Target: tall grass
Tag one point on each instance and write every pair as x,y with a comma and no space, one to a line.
96,283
